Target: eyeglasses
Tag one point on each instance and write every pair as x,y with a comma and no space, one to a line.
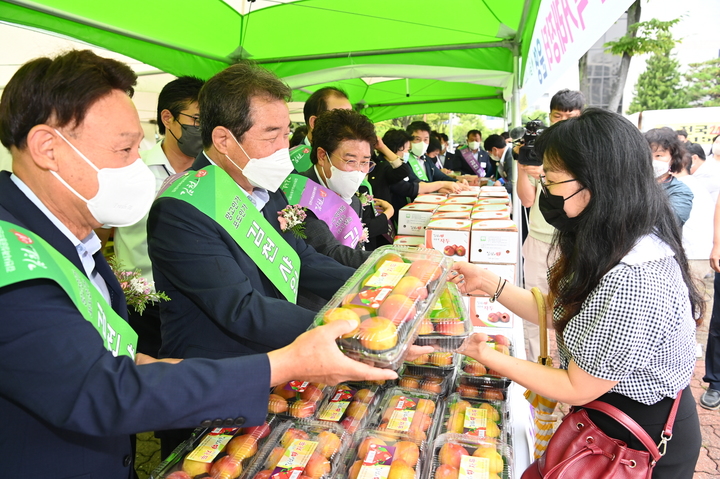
544,186
364,166
195,119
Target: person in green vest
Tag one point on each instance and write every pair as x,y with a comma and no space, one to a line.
324,99
72,388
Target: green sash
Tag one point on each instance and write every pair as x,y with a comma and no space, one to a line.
417,168
300,156
366,184
27,256
215,193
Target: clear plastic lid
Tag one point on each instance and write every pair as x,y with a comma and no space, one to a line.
351,405
217,453
387,296
384,455
461,457
472,417
301,448
406,411
297,399
447,324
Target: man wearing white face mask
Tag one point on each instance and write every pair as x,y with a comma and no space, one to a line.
234,275
471,159
341,156
422,170
68,368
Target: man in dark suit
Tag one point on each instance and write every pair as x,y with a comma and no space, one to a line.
500,152
68,404
223,304
472,151
424,169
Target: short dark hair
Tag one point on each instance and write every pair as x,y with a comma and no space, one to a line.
681,132
64,88
396,139
335,126
418,126
687,162
298,135
695,149
177,96
434,145
567,100
505,135
473,132
601,150
225,98
494,141
443,137
317,103
667,139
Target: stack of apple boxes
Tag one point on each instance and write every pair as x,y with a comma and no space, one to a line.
472,226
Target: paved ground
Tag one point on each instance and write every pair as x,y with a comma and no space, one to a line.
708,466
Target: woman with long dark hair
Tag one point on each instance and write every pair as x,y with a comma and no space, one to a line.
623,302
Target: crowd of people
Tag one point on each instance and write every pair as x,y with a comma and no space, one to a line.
205,216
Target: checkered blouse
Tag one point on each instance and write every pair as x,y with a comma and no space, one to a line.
636,327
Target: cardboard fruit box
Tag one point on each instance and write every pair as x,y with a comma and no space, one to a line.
413,218
494,241
450,236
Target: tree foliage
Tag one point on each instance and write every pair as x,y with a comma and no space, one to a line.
704,83
659,86
652,36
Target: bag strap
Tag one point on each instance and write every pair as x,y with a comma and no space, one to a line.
655,451
544,357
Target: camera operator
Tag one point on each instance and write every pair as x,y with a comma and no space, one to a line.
564,104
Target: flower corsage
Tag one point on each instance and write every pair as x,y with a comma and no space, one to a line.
138,291
291,218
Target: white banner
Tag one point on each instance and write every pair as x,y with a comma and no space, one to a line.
564,31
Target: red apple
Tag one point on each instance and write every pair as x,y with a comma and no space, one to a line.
226,468
398,308
258,432
446,471
451,454
317,466
460,250
449,250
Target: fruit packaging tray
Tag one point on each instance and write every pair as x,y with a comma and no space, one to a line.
447,323
297,399
385,454
406,411
473,373
351,405
216,453
472,417
454,456
426,378
388,296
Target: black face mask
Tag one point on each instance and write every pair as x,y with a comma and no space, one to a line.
551,207
190,143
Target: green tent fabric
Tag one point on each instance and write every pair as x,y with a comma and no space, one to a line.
455,56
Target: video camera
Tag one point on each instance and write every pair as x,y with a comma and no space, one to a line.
527,154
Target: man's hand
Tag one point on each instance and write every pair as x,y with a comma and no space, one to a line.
141,359
382,206
315,357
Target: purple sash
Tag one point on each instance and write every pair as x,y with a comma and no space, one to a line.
344,223
472,162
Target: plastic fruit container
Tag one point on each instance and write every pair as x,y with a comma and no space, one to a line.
406,411
297,399
350,405
433,380
383,455
472,417
447,324
440,359
473,373
455,456
473,391
217,453
301,448
387,296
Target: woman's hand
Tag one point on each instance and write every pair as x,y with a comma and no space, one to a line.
470,277
474,346
382,206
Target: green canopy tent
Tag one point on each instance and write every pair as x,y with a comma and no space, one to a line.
459,56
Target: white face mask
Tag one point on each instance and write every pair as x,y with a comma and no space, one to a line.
419,148
406,156
124,195
473,145
716,150
660,168
267,173
344,183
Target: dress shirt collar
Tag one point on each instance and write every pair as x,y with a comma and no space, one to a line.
259,196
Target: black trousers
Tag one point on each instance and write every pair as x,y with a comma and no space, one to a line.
712,352
684,448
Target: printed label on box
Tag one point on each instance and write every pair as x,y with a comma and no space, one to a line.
475,422
376,464
474,468
403,414
293,461
337,405
212,444
389,273
486,314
